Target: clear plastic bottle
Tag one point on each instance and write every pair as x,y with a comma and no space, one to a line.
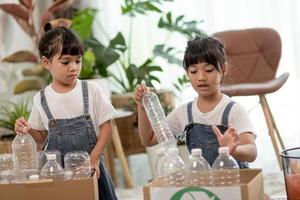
173,169
7,162
161,156
24,149
79,163
225,170
68,175
42,157
52,169
157,119
198,170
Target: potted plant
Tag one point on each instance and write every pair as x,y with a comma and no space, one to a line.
9,113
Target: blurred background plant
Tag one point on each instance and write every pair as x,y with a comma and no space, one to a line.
10,112
115,59
99,58
23,13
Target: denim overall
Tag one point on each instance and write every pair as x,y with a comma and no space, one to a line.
202,135
77,134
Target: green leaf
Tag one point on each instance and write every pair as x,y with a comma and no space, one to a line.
134,7
168,54
187,28
181,82
105,56
118,43
10,112
83,21
87,70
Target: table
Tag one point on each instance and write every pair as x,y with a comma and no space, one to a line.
117,144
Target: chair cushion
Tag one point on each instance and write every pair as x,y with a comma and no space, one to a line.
246,89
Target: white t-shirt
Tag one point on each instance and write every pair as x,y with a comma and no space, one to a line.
238,117
70,105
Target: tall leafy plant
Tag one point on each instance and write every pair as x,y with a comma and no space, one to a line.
23,15
129,73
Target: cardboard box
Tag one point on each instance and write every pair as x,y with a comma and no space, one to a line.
250,188
75,189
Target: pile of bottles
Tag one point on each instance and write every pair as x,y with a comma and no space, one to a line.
171,169
26,164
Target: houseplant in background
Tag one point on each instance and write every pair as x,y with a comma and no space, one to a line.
23,13
9,113
125,73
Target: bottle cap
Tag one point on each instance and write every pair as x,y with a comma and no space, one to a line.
197,152
224,150
51,157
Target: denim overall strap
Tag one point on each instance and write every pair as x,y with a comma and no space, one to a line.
189,112
46,107
85,97
226,113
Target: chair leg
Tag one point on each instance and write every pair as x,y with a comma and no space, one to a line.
271,127
120,154
109,156
275,127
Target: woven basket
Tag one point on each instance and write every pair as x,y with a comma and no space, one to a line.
5,146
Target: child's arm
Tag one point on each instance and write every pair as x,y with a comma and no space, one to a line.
22,126
242,147
246,150
145,130
102,142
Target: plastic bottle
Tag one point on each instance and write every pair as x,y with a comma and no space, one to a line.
79,163
225,170
24,149
161,156
34,177
173,169
42,157
157,119
52,169
68,175
198,170
7,162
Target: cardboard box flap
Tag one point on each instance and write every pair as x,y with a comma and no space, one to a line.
250,188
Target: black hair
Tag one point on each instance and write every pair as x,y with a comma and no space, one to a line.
204,49
59,39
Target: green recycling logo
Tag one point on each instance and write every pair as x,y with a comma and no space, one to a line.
178,195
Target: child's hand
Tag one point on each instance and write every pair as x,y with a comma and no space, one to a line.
22,126
229,139
138,95
95,165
